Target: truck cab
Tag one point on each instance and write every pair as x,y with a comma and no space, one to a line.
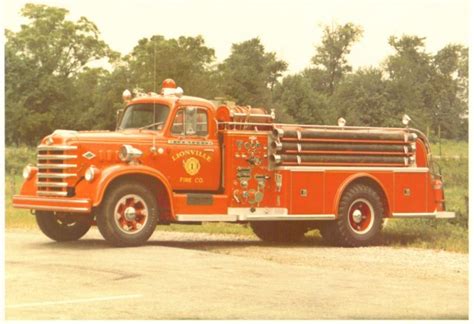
182,131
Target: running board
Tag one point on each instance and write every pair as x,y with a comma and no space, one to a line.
247,214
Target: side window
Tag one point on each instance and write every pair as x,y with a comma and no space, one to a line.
190,121
178,123
201,123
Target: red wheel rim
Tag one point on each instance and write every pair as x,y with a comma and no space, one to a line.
131,214
361,216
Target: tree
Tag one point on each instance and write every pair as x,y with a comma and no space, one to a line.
451,87
362,99
307,96
249,74
432,89
330,60
186,60
295,97
42,61
410,71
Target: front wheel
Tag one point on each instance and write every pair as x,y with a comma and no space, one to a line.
128,215
63,226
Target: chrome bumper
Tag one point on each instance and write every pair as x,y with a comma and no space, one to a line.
74,205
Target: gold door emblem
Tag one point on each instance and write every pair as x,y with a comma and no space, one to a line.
191,166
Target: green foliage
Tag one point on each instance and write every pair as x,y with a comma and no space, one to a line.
425,233
455,179
98,97
362,99
249,74
331,56
16,218
50,84
185,59
427,87
42,63
17,157
431,89
295,97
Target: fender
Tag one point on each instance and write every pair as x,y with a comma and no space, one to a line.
351,179
108,174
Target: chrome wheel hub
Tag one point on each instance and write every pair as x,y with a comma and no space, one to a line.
361,216
357,216
131,214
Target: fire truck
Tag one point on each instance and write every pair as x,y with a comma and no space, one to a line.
183,159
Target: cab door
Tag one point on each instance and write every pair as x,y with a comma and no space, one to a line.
195,156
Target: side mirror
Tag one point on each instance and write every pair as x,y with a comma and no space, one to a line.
118,117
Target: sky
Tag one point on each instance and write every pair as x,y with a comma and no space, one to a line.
292,29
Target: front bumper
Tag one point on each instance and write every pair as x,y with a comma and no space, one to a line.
74,205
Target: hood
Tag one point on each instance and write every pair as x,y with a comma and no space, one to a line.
129,136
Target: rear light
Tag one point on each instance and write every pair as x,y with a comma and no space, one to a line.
437,184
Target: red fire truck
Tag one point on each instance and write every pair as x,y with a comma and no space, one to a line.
182,159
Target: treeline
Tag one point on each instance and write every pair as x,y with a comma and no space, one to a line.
50,83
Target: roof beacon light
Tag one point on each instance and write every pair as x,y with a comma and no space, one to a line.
168,87
168,83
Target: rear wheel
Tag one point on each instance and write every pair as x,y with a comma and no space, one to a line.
63,226
360,217
128,215
279,231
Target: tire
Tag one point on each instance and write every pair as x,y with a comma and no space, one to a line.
282,232
128,214
360,217
63,226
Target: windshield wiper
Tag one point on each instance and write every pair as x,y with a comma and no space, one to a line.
151,125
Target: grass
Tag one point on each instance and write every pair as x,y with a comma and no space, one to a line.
426,233
450,148
449,235
16,218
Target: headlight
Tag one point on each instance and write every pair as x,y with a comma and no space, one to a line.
128,153
90,174
29,171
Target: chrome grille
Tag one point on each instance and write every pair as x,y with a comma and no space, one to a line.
55,166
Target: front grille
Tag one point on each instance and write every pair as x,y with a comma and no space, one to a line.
56,164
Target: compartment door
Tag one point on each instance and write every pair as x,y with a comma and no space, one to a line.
410,193
307,193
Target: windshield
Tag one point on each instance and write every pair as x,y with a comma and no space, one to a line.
144,116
